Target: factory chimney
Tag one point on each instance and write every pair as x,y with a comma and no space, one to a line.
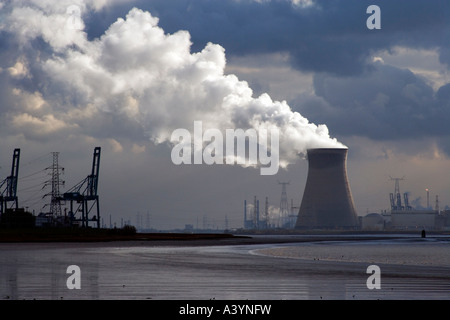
327,200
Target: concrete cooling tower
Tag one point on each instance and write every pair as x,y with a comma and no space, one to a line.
327,200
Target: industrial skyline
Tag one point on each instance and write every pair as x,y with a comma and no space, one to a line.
326,203
124,74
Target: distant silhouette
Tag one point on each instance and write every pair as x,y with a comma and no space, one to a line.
423,233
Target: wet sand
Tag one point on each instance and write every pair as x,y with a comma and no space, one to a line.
231,269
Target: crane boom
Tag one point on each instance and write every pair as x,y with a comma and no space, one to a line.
9,194
89,193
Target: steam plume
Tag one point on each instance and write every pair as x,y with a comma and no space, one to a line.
134,81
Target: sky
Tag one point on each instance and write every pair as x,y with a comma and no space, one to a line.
125,74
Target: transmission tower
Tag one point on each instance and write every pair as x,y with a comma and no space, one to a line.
284,205
55,182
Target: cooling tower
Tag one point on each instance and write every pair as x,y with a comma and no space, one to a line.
327,200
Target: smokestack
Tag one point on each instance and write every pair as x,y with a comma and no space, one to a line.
327,201
245,214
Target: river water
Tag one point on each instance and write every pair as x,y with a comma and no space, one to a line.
410,268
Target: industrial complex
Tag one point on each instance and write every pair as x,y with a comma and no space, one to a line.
403,216
327,202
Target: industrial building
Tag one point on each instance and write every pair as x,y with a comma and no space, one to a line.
327,200
416,219
403,216
373,222
410,220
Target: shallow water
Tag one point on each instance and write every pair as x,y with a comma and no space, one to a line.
410,269
407,251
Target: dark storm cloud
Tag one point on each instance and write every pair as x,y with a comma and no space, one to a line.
385,103
353,96
329,36
135,83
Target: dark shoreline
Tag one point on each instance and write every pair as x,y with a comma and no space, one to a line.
61,235
93,235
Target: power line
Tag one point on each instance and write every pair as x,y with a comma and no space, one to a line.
40,158
32,174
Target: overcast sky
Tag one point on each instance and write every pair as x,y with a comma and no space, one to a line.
123,75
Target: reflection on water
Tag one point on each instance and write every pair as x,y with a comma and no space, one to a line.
325,270
37,272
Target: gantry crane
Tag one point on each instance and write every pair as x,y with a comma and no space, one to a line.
85,192
9,193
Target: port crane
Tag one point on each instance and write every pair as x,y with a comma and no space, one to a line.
85,195
8,187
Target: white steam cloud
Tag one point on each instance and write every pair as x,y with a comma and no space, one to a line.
134,81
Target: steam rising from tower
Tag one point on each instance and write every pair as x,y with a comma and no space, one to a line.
133,83
327,200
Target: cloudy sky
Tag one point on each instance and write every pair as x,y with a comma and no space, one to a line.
124,74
